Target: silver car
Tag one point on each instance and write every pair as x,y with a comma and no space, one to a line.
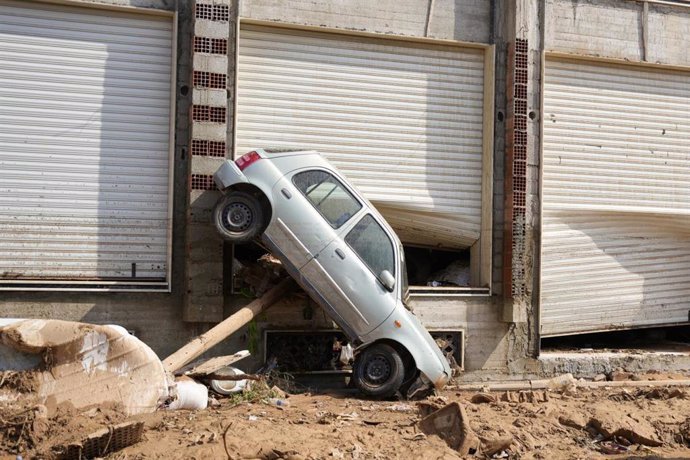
342,252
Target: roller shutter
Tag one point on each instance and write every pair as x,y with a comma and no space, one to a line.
616,197
403,121
85,109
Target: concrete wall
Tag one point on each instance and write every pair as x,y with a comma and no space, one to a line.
154,317
619,29
487,345
465,20
157,317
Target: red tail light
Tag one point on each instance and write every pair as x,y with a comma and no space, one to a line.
247,159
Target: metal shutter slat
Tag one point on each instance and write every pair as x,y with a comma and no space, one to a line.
403,122
84,127
616,197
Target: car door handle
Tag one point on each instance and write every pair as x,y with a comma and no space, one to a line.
340,253
286,193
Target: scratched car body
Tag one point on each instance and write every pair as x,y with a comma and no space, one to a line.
342,252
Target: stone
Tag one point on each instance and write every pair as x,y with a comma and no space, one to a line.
491,446
573,420
620,375
600,378
483,398
613,422
451,424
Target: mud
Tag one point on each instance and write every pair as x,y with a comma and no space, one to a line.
342,425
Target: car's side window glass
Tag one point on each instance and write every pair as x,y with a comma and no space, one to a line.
372,244
328,196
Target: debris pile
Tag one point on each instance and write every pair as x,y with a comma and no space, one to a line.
87,365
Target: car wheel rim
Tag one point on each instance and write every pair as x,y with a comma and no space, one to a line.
377,370
237,217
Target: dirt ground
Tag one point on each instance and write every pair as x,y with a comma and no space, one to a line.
569,423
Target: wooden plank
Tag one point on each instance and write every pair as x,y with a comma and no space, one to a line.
222,330
211,365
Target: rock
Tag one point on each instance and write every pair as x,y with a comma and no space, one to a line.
521,422
620,375
534,396
278,392
483,398
610,422
510,396
562,382
451,424
663,393
683,434
524,396
491,446
600,377
425,408
573,420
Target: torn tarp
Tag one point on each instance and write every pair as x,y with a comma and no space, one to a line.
84,364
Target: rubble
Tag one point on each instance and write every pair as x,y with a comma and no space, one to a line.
85,365
316,424
492,446
612,422
619,375
482,398
451,424
573,420
103,442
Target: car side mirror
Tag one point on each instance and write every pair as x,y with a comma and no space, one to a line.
387,280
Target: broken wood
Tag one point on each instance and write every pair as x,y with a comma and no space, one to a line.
222,330
212,364
236,377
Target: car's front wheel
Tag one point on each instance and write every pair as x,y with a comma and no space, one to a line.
379,371
238,217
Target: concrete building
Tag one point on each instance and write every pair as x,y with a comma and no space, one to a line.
541,145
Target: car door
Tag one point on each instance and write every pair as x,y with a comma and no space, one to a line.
349,270
310,205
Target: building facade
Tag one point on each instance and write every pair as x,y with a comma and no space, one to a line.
540,148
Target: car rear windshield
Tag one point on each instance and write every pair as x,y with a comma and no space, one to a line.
328,196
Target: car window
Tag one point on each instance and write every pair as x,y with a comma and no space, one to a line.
328,196
372,244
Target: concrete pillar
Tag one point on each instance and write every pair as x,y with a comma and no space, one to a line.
213,22
523,30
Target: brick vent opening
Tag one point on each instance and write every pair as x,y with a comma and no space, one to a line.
208,148
201,79
218,13
202,182
210,45
207,113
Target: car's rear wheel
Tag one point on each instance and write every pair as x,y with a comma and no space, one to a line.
238,217
379,371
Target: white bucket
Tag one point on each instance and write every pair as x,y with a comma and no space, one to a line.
226,387
190,395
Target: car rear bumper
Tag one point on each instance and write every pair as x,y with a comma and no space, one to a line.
228,174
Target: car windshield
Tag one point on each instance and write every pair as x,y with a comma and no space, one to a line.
328,196
372,245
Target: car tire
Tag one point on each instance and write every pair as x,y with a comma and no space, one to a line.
379,371
239,217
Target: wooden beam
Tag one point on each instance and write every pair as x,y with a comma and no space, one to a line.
227,327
